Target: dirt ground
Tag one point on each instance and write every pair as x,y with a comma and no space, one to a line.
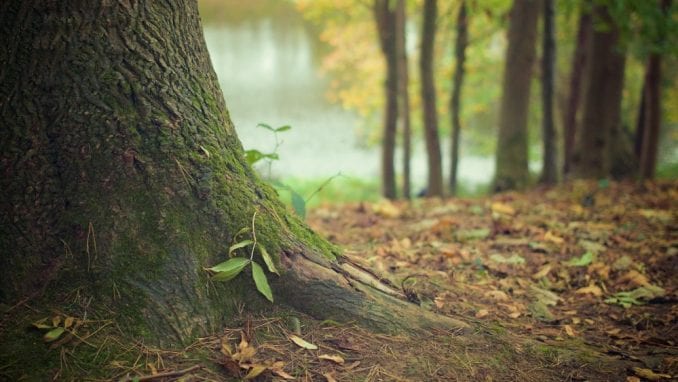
576,283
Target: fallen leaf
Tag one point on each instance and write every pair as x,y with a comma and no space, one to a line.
581,261
553,238
68,322
515,315
502,208
543,272
568,329
329,377
649,374
334,358
302,343
482,313
591,289
514,259
53,334
386,209
635,278
255,371
497,295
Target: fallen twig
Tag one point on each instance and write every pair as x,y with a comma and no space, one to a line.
162,375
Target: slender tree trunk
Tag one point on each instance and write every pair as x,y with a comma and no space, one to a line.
428,96
122,178
511,158
579,61
455,99
404,95
600,128
385,17
651,109
549,174
640,122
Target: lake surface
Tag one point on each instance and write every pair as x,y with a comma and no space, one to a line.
269,71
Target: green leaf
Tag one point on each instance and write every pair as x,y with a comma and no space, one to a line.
514,259
242,230
265,126
229,269
267,259
283,128
582,261
53,334
241,244
261,282
299,204
253,156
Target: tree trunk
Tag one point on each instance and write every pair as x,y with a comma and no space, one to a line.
428,96
385,17
579,61
600,130
455,99
123,178
404,96
549,174
511,159
651,109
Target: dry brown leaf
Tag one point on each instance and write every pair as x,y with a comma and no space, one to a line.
152,368
568,329
352,366
439,301
502,208
591,289
334,358
515,315
56,320
329,377
482,313
553,238
543,272
386,209
497,295
632,378
68,322
635,278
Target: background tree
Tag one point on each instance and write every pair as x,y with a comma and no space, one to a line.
579,61
385,16
455,100
511,156
428,96
601,118
650,115
549,173
404,95
123,178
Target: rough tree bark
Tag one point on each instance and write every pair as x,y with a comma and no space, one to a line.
385,17
455,100
579,61
122,177
511,158
404,95
549,173
428,96
599,137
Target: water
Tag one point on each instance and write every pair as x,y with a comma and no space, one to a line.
268,68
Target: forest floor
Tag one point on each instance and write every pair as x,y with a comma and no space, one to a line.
573,283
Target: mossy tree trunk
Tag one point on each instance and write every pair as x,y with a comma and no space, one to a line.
511,157
122,177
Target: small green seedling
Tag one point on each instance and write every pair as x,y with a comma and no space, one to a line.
231,268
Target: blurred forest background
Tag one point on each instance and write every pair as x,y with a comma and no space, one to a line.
570,89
